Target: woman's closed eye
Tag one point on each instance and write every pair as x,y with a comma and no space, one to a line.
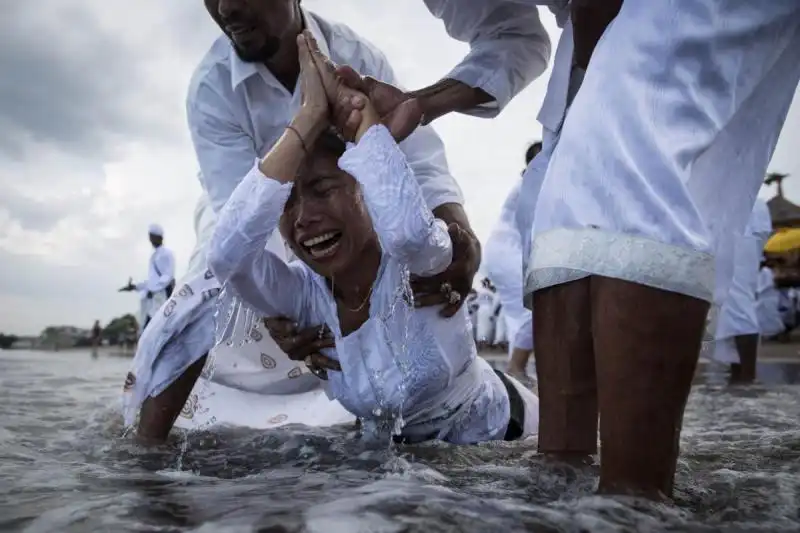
325,187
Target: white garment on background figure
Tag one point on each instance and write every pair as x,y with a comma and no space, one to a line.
430,374
523,340
160,274
503,253
739,315
787,306
500,330
768,304
471,304
236,112
484,316
662,182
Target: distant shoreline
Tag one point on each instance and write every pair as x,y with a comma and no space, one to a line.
771,352
116,351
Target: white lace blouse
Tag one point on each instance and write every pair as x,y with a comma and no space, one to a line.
403,364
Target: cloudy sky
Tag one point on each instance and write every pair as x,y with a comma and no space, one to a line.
93,144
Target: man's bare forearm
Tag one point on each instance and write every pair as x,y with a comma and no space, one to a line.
455,214
449,95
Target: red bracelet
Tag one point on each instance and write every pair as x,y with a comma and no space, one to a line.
299,137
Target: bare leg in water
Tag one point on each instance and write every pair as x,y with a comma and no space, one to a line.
565,370
646,344
159,413
625,350
745,371
518,363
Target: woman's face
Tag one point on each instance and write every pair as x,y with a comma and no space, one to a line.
325,220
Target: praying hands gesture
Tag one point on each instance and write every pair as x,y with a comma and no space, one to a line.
326,99
340,97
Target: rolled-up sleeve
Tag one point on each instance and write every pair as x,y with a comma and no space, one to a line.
224,151
509,46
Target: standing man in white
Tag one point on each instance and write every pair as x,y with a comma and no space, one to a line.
738,329
658,164
160,282
504,264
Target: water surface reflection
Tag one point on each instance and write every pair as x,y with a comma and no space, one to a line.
64,467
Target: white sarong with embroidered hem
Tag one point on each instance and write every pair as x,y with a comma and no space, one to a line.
654,189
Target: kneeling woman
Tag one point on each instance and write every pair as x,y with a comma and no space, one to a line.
359,228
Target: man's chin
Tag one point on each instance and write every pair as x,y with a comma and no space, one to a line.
260,55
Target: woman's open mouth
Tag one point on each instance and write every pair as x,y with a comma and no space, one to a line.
324,245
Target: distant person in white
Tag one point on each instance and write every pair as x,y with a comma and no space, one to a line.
738,328
160,281
358,229
484,314
768,300
472,310
503,253
500,330
240,100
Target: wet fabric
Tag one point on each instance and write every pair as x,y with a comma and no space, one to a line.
404,366
656,191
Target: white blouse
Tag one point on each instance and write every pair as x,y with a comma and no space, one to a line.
405,369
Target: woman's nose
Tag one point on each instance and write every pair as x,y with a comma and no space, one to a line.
305,215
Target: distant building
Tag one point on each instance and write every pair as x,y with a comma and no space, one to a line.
784,214
25,343
58,337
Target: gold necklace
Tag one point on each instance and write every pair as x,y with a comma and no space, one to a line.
360,307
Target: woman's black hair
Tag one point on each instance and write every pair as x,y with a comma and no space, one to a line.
330,142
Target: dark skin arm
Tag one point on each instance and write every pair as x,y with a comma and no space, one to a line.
447,96
462,270
590,18
401,112
159,413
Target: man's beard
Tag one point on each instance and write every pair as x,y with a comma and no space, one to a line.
260,55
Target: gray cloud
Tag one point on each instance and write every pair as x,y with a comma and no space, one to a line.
77,88
39,215
91,99
66,81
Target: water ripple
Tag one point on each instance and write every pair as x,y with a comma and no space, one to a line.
65,466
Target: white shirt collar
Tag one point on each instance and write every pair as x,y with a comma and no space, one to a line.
243,70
